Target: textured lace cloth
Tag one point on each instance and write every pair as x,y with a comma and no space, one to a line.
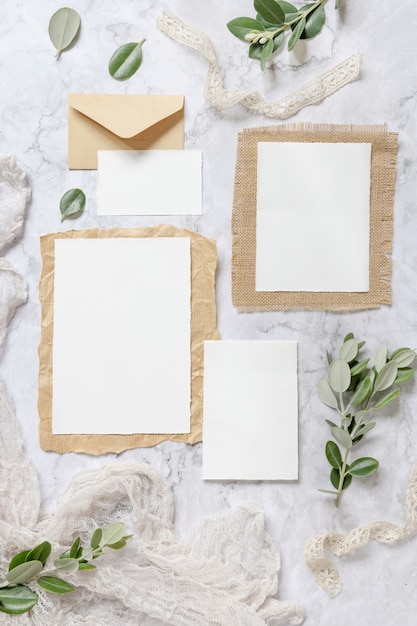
227,576
222,99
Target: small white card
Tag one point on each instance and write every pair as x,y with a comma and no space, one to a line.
121,343
313,216
149,182
250,415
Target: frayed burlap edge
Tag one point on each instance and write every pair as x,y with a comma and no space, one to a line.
383,169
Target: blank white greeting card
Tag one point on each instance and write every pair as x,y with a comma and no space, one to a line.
313,216
250,428
149,182
121,336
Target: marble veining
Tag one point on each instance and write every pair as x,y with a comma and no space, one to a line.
380,582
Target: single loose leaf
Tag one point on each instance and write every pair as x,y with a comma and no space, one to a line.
126,60
242,26
339,375
270,11
363,467
386,376
17,600
296,33
113,533
24,572
333,454
326,394
341,436
314,21
72,204
55,585
64,27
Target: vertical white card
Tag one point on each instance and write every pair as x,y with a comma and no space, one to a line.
313,216
250,415
149,182
121,342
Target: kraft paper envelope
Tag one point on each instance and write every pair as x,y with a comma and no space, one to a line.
121,122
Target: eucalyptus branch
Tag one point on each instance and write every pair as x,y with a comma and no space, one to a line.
266,33
17,597
353,385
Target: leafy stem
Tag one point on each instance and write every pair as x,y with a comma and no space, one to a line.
354,385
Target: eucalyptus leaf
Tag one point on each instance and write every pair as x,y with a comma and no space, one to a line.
363,391
314,21
96,538
348,336
386,376
362,417
39,553
279,40
118,545
326,394
17,600
86,566
24,572
339,375
341,436
404,375
255,51
381,357
333,454
349,350
18,559
72,204
74,548
66,565
296,33
55,585
267,50
363,467
359,367
63,29
287,7
404,358
330,423
113,533
364,428
386,399
242,26
270,11
335,479
126,60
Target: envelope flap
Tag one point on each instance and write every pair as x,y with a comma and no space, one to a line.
126,115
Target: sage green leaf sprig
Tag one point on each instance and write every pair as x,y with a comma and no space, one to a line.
28,567
266,33
64,27
355,389
126,60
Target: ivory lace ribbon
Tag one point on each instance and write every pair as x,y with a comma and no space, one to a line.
222,99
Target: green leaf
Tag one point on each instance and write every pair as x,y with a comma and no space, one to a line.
330,423
267,50
348,336
287,7
386,376
381,357
86,566
404,357
359,367
67,565
270,11
279,40
126,60
113,533
362,417
314,21
17,600
333,454
341,436
339,375
55,585
296,33
361,344
349,350
362,393
18,559
362,430
74,548
117,545
96,538
404,375
335,478
39,553
325,393
363,467
63,29
24,572
242,26
72,204
386,399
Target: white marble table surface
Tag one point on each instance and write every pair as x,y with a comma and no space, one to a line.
380,582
